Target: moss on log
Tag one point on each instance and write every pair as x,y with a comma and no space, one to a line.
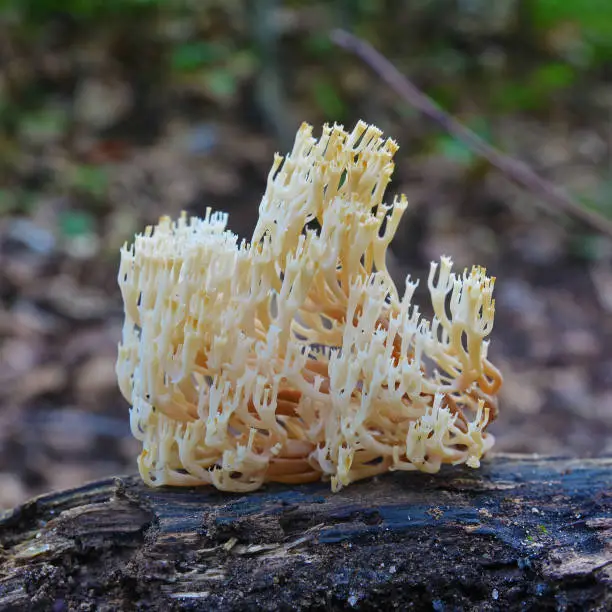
521,533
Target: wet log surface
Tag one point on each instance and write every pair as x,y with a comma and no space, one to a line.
520,533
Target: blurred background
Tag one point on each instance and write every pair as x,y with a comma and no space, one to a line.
114,112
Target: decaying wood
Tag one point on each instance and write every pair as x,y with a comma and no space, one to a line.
520,533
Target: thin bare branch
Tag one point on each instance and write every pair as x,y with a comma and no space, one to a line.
557,199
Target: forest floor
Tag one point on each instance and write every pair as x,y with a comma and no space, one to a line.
116,147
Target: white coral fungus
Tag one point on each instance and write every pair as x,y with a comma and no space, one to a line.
293,358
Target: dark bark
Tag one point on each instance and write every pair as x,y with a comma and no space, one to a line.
521,533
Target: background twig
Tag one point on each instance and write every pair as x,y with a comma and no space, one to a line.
554,197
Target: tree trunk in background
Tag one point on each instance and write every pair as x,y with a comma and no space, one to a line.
520,533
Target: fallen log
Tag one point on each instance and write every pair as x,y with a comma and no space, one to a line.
520,533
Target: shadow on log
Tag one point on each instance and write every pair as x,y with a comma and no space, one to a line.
520,533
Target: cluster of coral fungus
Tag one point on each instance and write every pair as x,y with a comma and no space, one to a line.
293,357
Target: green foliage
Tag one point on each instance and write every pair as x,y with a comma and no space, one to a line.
319,44
458,152
44,125
37,11
537,90
217,66
553,76
568,42
455,150
192,55
75,223
89,179
328,99
591,21
221,83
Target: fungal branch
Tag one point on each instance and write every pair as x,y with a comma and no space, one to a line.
293,357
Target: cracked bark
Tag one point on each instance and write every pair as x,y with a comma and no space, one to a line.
520,533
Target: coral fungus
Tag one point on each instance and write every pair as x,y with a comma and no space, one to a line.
293,357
